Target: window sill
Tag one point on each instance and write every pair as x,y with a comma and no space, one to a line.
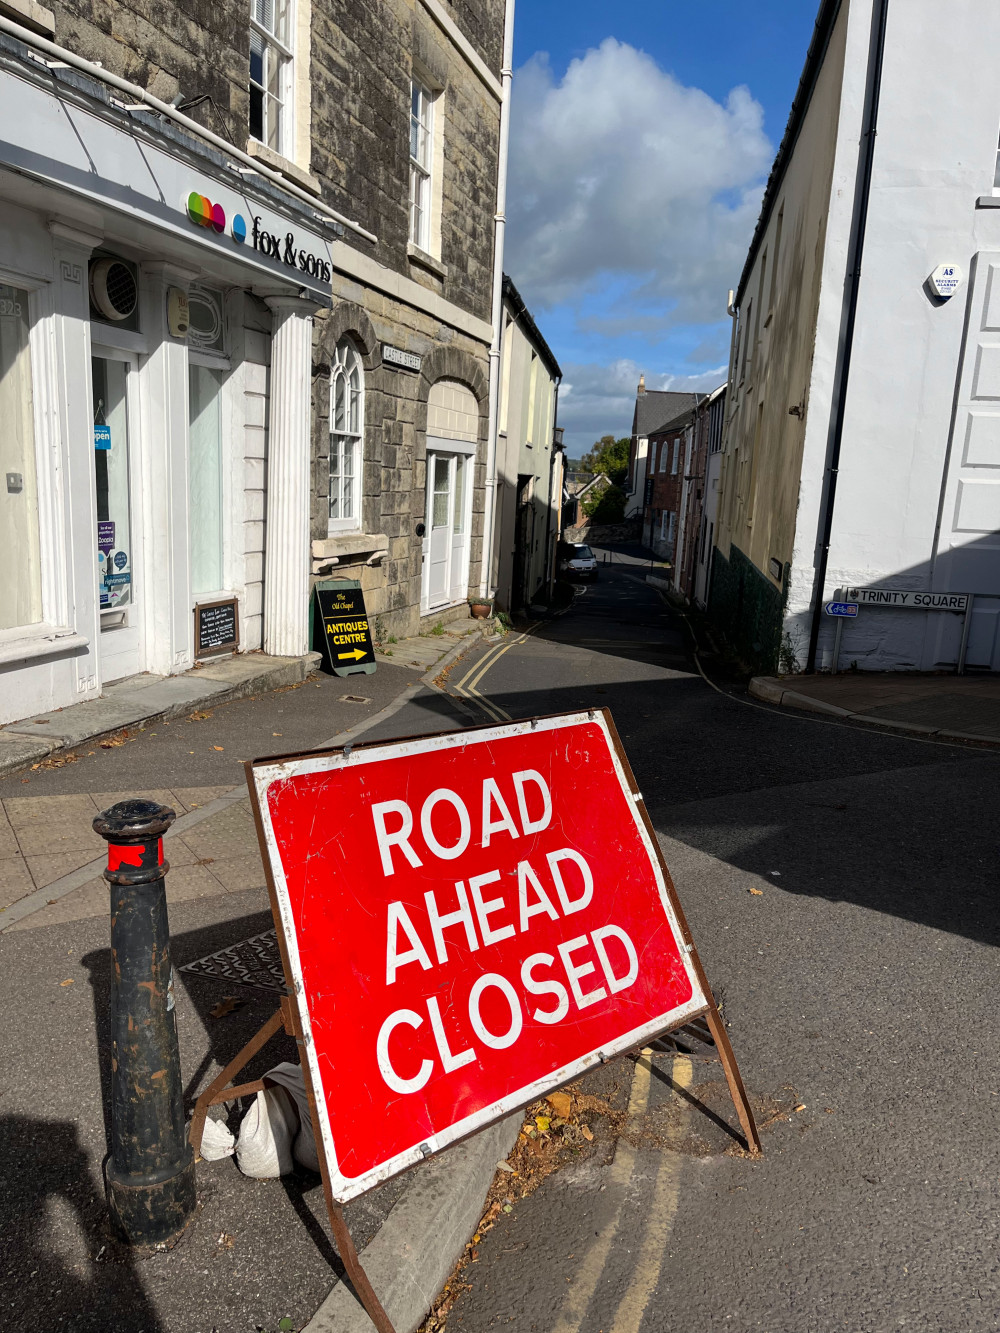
330,551
25,644
30,15
284,165
421,257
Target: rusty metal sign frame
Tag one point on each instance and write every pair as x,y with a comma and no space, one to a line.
291,1012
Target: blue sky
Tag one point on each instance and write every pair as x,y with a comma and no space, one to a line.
641,137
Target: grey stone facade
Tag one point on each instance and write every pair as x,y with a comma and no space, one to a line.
360,56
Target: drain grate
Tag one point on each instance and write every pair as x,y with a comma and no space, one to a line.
252,962
686,1040
354,699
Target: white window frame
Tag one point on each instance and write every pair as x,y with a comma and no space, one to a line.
347,361
275,48
421,164
676,458
662,455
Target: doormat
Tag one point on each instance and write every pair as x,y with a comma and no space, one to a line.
252,962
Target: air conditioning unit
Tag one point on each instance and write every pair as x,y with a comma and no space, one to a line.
113,288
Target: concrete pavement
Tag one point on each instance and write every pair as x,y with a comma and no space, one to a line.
259,1251
840,883
963,708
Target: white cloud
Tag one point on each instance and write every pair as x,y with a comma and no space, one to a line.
599,400
621,176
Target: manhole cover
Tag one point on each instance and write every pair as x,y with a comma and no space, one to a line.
252,962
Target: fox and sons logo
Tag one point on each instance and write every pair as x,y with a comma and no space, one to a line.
204,213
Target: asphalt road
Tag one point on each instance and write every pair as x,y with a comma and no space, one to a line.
859,982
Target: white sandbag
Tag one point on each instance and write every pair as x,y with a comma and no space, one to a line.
217,1141
289,1076
264,1148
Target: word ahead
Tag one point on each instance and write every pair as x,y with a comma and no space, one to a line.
470,920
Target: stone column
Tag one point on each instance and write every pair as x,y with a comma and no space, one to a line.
286,540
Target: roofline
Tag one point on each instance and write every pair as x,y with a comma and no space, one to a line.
521,311
815,56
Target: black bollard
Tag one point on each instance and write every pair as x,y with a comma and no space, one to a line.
149,1178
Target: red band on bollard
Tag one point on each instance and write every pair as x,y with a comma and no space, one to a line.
130,856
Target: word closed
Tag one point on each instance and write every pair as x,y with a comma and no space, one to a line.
471,921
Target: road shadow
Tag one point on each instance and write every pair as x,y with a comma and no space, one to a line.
62,1268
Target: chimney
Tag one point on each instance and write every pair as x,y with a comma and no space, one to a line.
642,383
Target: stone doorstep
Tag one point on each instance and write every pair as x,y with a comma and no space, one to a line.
147,698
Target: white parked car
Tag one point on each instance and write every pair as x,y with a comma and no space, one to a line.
577,561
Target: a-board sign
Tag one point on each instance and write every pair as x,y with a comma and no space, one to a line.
467,922
908,599
216,627
841,608
347,637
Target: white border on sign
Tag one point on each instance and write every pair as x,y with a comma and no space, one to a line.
344,1187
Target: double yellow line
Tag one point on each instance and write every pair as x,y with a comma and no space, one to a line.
466,687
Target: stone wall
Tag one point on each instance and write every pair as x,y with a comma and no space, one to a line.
195,48
394,476
363,58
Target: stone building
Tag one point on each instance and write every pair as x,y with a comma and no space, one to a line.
250,264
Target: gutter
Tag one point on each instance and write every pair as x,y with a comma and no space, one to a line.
145,99
500,223
880,16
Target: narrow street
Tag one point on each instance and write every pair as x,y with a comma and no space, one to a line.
819,866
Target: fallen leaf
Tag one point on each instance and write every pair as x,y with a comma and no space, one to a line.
218,747
198,716
561,1103
112,743
543,1122
757,893
801,1106
587,1133
277,733
225,1006
205,861
505,1166
67,982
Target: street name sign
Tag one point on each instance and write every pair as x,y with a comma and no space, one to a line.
909,599
468,921
841,608
347,636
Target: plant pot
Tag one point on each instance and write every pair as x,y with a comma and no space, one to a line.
480,610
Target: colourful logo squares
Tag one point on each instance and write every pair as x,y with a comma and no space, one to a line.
204,213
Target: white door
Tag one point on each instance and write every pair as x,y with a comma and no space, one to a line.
446,529
967,558
440,473
119,534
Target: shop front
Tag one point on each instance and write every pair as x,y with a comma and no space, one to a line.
156,316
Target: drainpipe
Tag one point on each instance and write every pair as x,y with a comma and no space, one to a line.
873,91
500,224
555,457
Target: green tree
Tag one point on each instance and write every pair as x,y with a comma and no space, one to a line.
609,455
606,507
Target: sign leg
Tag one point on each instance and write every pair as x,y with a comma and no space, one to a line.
358,1276
739,1093
837,636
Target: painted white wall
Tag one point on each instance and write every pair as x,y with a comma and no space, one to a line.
935,155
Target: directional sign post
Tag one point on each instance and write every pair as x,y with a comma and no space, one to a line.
347,639
467,921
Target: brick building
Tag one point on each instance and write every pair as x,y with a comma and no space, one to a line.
250,278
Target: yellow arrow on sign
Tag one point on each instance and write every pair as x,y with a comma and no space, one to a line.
358,652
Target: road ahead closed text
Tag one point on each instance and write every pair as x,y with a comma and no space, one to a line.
475,919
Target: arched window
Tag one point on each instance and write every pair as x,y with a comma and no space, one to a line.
347,432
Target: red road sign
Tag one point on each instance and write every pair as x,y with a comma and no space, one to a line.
469,921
